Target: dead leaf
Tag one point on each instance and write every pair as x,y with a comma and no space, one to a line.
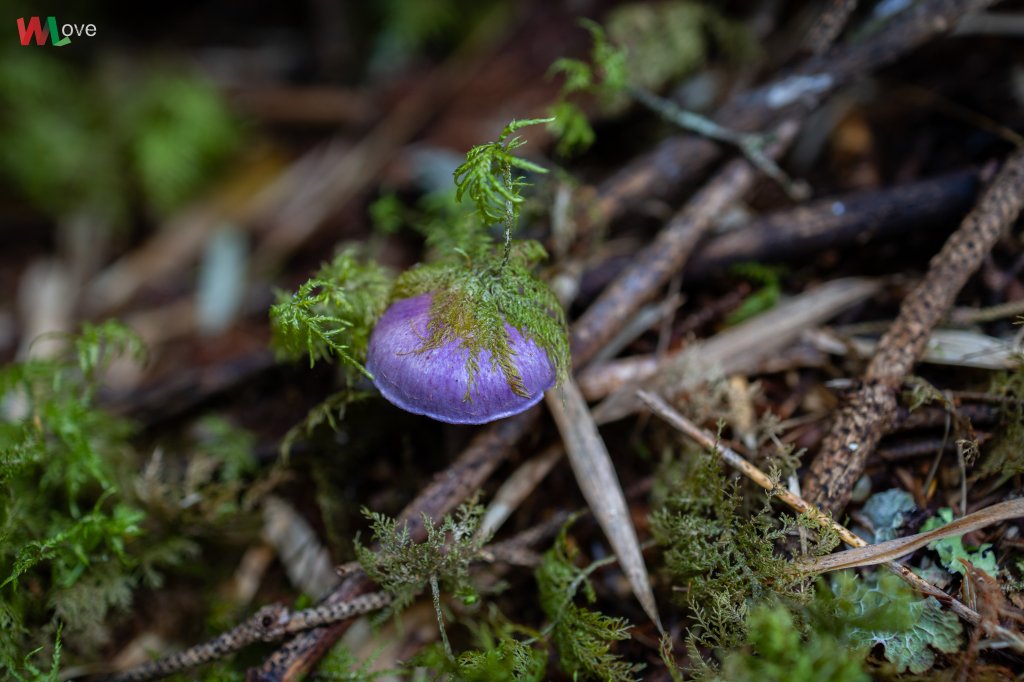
596,477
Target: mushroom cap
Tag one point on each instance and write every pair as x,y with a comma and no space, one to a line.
433,382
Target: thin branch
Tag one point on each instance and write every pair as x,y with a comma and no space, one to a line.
654,266
865,418
269,624
751,145
838,221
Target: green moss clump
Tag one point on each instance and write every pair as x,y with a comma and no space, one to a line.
478,288
332,314
472,304
583,637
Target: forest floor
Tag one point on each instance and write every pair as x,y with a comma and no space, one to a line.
786,436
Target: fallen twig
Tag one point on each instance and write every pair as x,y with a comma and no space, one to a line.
669,251
736,349
835,222
269,624
864,418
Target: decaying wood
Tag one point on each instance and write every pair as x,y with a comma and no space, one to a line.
863,419
802,506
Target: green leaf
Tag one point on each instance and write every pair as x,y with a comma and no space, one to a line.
885,611
952,550
887,512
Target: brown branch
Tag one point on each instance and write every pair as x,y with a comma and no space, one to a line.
269,624
854,218
681,159
864,418
668,253
829,25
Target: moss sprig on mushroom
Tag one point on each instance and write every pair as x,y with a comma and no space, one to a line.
488,314
474,335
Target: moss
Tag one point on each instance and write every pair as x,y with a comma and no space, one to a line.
405,568
583,637
473,303
333,313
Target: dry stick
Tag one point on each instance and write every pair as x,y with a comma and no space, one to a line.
669,251
801,506
269,624
738,349
854,218
681,159
829,25
864,419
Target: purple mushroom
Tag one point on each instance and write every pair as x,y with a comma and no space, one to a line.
434,381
